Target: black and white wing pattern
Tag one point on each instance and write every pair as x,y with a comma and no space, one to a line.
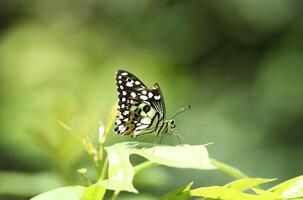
141,110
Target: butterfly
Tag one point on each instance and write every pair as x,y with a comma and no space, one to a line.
141,110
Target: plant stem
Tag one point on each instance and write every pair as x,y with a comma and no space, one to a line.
104,169
101,172
98,160
144,165
87,181
233,172
115,195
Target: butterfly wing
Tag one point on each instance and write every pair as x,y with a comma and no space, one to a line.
141,110
156,99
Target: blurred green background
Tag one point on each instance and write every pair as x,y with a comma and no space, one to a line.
237,63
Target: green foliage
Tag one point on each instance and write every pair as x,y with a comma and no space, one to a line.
71,193
247,183
121,174
217,192
231,191
178,194
114,171
234,191
292,188
93,192
121,171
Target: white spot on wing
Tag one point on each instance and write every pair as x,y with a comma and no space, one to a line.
129,84
123,129
144,92
120,127
133,94
150,95
119,77
137,83
157,97
121,87
123,99
143,97
124,73
124,93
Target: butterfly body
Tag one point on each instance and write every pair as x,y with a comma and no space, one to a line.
141,110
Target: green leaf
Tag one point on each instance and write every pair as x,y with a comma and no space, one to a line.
93,192
182,193
247,183
265,193
121,172
292,188
223,193
63,193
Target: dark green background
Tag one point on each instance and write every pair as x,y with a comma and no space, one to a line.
239,64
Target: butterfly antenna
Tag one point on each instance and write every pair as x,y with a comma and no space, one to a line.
181,110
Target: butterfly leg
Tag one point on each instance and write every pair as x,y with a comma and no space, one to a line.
155,143
180,137
161,138
171,138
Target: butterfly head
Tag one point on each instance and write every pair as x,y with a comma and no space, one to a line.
171,124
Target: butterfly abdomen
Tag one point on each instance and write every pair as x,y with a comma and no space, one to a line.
162,128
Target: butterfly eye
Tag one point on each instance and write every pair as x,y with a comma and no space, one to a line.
146,108
172,122
128,79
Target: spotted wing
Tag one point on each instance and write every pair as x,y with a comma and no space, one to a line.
141,109
156,99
